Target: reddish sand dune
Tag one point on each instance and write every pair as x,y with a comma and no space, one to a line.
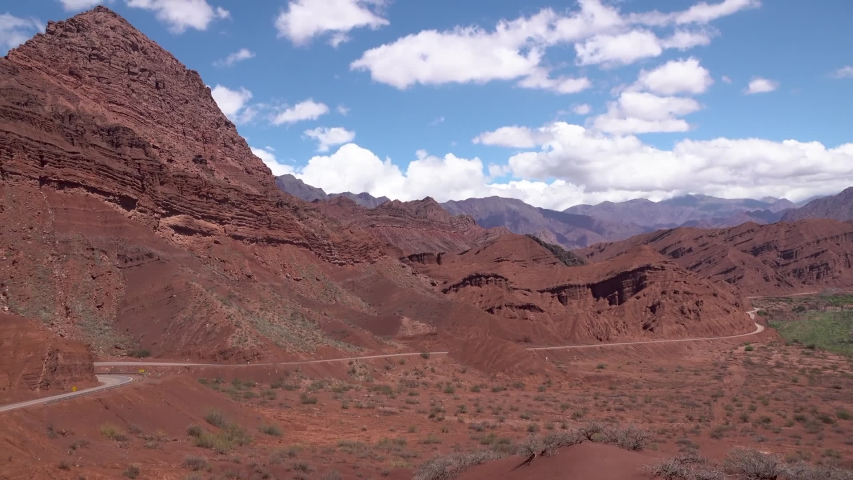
587,461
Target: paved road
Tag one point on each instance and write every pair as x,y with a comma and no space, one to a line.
107,382
113,381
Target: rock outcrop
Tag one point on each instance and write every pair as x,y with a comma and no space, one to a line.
783,257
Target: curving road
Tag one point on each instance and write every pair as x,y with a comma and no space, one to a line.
108,382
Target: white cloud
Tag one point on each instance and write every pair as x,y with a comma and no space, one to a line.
589,167
305,110
512,137
266,155
843,72
643,112
761,85
582,109
436,121
726,79
305,19
77,5
515,49
620,49
327,137
234,103
343,110
182,14
540,79
15,31
701,13
238,56
676,76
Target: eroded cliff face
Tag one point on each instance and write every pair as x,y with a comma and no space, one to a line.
757,259
639,295
133,214
35,361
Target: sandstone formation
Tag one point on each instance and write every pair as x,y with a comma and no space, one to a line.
757,259
34,361
636,295
413,227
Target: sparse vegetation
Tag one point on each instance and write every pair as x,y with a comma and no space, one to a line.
568,258
271,430
112,432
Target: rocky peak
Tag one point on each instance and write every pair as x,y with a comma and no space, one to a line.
109,69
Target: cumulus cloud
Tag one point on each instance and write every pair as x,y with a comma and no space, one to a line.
77,5
675,77
268,157
643,112
305,110
726,79
238,56
15,31
515,49
343,110
327,137
513,137
305,19
575,165
843,72
761,85
179,15
234,103
582,109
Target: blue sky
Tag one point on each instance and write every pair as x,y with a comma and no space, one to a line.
555,103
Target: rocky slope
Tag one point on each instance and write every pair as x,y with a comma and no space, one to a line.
412,227
837,207
636,295
757,259
36,362
299,189
130,208
684,210
566,229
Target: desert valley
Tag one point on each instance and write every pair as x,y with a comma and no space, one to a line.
171,309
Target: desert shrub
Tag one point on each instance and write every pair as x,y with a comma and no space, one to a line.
132,471
112,432
843,414
215,418
139,353
685,467
333,475
63,465
753,465
308,399
630,437
449,466
803,471
194,430
271,430
195,463
425,355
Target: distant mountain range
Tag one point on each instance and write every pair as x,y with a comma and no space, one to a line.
583,225
689,210
837,207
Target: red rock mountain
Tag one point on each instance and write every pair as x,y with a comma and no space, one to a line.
757,259
413,227
132,215
636,295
